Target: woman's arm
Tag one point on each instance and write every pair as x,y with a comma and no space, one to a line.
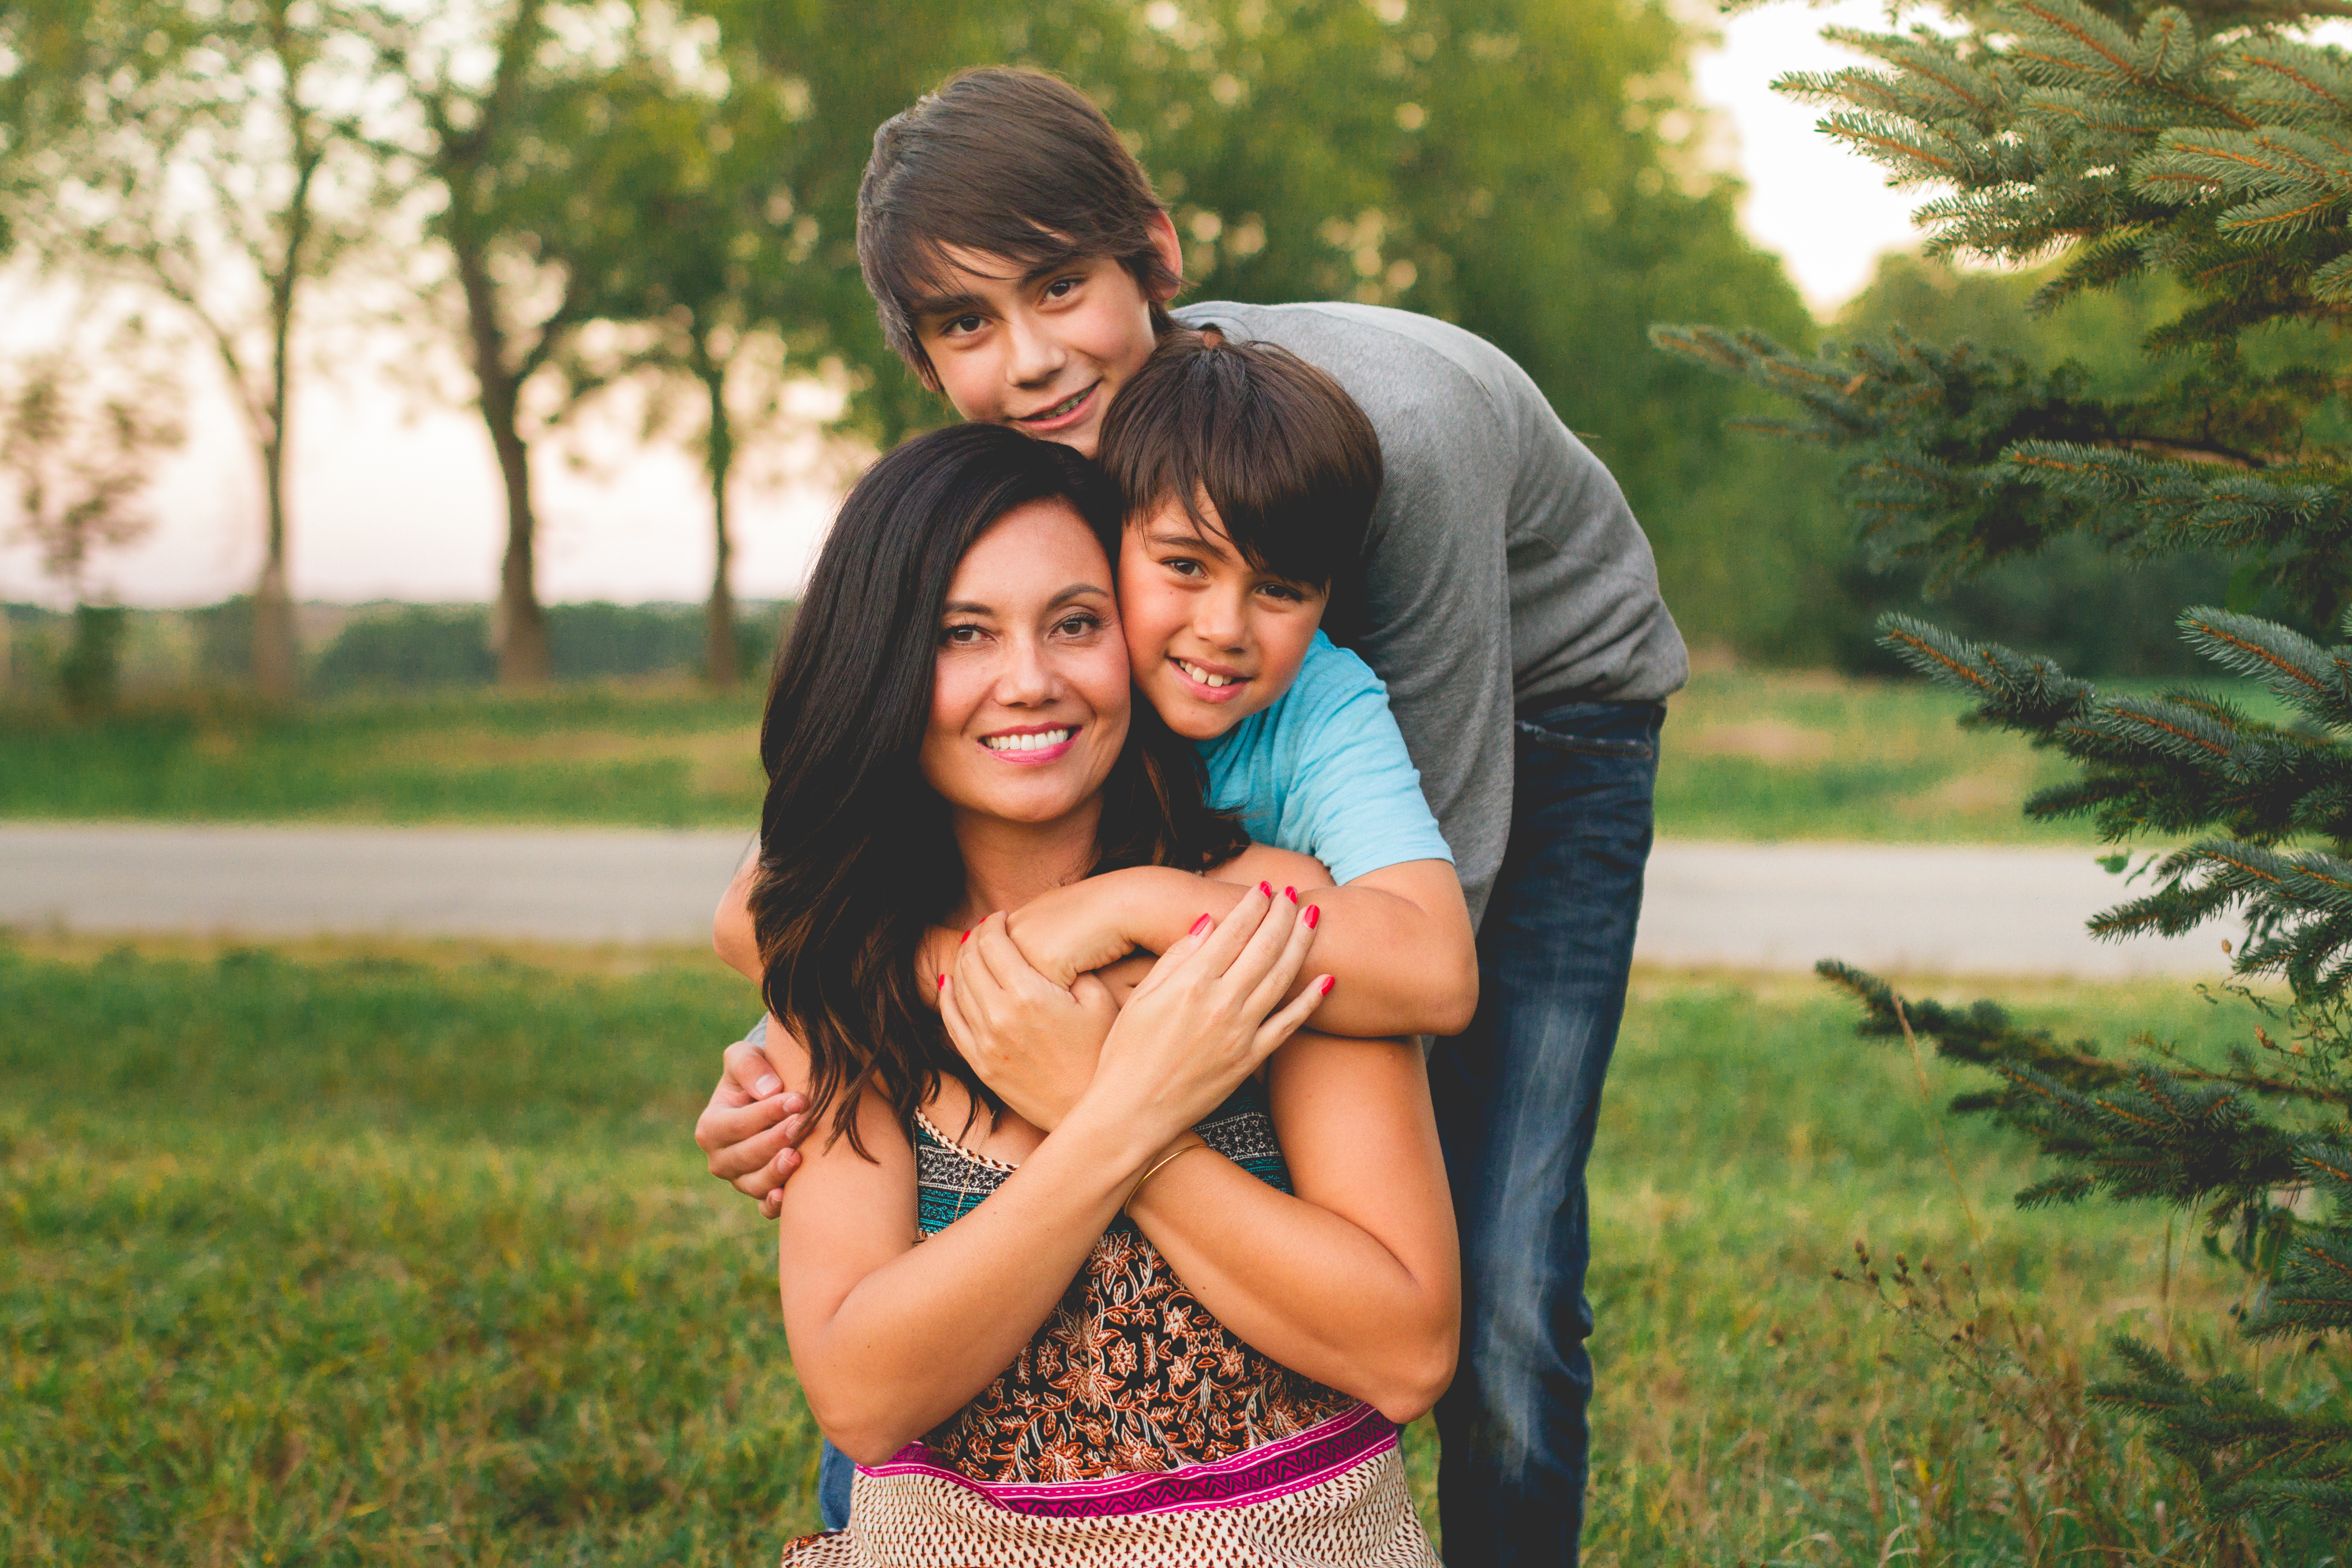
890,1338
1356,1280
1398,939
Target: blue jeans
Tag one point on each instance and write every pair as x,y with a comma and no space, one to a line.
834,1474
1518,1098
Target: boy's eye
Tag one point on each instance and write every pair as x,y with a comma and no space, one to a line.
1060,286
1282,590
961,325
1184,566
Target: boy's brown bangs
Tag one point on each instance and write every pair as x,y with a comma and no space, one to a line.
917,269
1284,455
1000,161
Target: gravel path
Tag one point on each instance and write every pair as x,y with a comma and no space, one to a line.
1911,908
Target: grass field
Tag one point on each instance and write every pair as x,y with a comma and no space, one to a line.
404,1256
1749,754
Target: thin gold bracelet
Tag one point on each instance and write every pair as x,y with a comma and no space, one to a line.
1163,1161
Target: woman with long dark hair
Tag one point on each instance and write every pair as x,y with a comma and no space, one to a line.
1181,1267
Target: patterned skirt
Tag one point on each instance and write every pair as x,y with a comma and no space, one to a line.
1333,1496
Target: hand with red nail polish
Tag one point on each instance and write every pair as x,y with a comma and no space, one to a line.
1030,1039
1212,1010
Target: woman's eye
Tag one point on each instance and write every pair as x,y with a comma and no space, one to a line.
1078,625
960,636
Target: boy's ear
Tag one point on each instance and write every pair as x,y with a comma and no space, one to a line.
1172,253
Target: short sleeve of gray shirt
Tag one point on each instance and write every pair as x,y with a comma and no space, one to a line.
1504,572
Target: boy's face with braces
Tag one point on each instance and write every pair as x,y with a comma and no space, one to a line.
1211,638
1041,349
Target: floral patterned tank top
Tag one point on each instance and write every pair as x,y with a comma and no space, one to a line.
1132,1372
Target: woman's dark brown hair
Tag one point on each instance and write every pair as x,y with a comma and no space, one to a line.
857,859
1009,162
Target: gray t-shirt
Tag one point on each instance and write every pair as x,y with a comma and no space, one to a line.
1504,572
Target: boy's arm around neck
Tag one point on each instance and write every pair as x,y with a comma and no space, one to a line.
1397,940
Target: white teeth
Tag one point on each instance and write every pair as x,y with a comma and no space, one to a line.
1203,677
1038,742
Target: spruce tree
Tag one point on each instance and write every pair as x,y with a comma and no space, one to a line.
2212,143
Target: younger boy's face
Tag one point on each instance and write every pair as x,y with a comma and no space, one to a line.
1043,351
1211,638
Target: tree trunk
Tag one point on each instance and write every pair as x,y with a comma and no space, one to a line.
275,674
274,671
520,629
722,664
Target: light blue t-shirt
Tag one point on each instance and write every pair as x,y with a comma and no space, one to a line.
1322,770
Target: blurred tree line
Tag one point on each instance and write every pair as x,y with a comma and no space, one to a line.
573,200
377,649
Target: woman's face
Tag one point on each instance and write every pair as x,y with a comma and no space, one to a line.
1029,701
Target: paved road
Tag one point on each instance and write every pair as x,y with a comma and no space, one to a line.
1920,909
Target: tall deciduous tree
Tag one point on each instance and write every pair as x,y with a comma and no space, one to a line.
202,155
506,136
475,84
2209,144
699,288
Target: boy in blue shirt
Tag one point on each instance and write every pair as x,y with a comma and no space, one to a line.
1248,477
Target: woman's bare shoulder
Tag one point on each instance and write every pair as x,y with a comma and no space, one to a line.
883,1135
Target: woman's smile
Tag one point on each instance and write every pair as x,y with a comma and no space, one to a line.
1032,746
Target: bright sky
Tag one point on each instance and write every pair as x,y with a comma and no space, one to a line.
394,497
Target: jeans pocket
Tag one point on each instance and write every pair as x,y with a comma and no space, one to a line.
1627,731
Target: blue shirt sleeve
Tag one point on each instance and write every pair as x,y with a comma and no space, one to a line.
1324,771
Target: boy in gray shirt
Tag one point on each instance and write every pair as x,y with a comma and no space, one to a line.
1021,266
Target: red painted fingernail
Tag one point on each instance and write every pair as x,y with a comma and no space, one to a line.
943,982
1329,981
1263,888
1314,913
964,938
1200,926
1291,893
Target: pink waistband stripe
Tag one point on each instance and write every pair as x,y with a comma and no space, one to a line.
1269,1471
